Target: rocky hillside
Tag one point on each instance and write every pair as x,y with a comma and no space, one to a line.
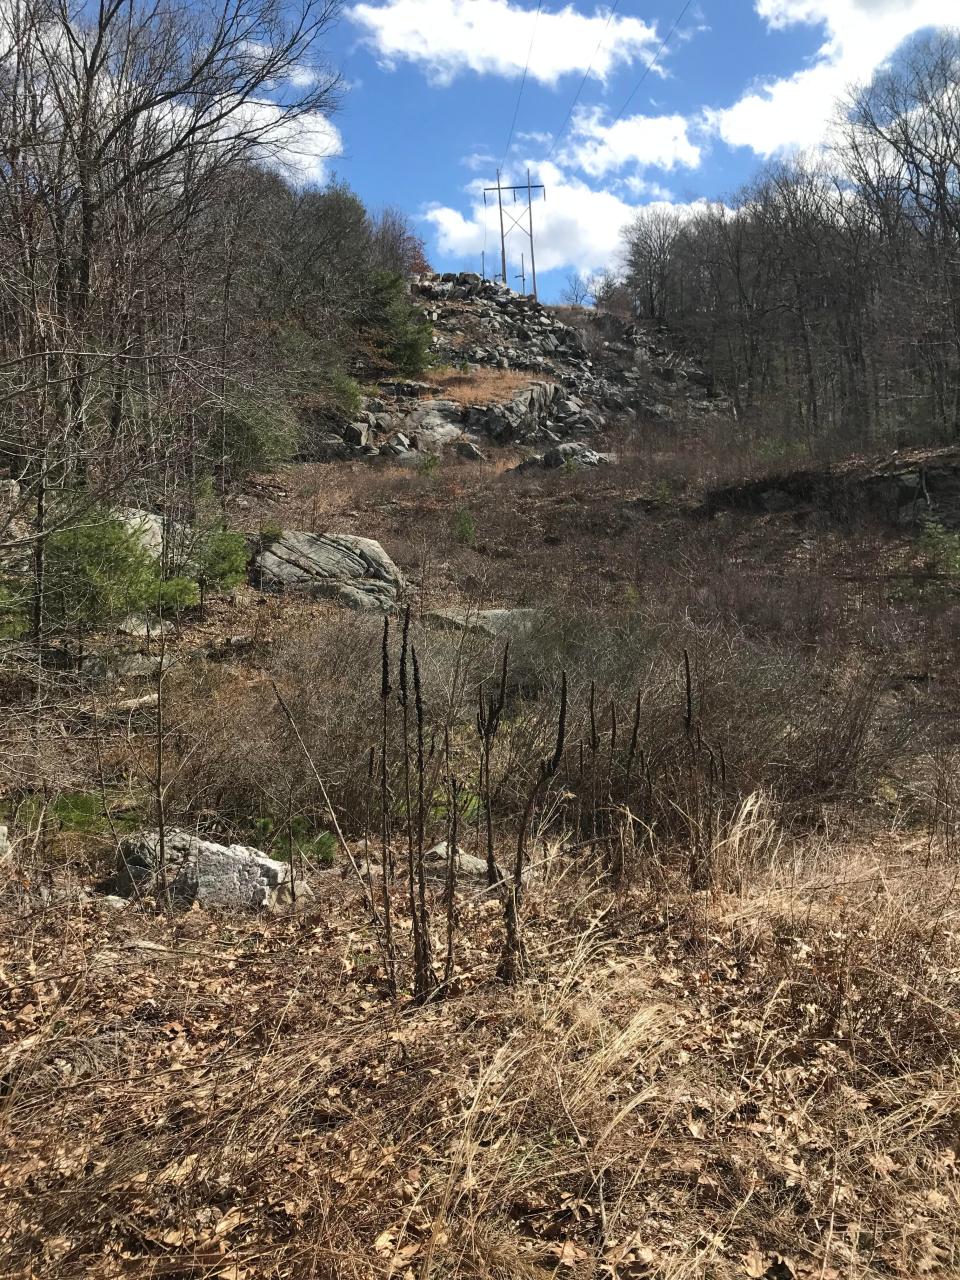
581,379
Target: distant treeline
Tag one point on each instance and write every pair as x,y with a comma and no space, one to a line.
826,294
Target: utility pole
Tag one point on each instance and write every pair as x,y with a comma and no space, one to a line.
529,187
522,277
533,260
503,239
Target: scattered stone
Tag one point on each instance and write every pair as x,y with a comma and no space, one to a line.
404,387
203,872
435,863
469,866
125,666
114,901
142,666
353,571
144,628
511,624
467,449
133,706
573,453
356,433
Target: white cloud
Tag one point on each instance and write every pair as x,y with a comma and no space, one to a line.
576,228
598,148
861,35
493,37
478,160
655,192
300,148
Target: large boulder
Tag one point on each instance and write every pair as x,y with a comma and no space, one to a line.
433,435
353,571
203,872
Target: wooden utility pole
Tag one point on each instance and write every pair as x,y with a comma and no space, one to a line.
523,275
529,187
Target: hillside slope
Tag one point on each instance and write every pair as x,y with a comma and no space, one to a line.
699,714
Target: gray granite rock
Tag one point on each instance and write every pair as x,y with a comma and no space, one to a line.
354,571
500,623
199,871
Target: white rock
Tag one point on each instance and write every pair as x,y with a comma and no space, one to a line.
212,875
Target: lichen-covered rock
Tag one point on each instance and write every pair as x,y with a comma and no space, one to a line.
200,871
354,571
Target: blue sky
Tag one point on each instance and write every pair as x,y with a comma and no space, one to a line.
432,87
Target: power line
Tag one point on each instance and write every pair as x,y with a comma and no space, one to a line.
576,96
523,81
650,65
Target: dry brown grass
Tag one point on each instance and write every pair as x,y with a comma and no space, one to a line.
762,1085
480,385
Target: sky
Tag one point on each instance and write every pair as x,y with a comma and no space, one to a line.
610,107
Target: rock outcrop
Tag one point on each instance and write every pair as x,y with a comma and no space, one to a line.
354,571
903,493
629,370
488,324
582,375
512,624
229,877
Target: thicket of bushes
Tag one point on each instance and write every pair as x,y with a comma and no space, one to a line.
100,571
754,719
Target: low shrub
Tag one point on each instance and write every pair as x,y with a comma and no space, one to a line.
257,434
223,559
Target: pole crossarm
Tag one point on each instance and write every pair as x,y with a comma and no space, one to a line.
536,186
